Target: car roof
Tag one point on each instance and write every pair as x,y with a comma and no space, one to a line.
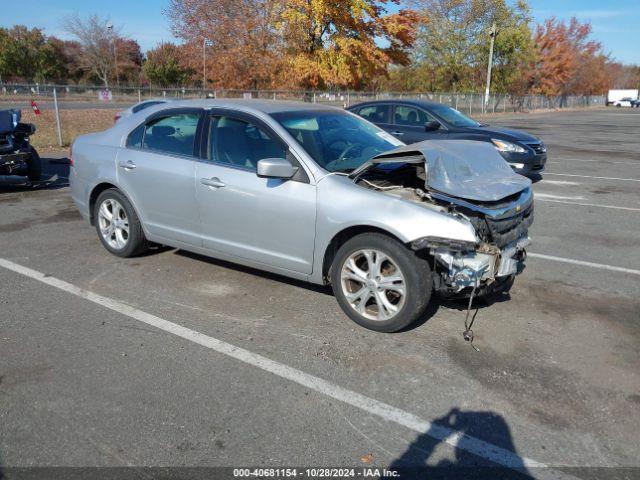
260,105
399,101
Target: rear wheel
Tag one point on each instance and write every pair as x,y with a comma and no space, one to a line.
118,225
379,283
34,166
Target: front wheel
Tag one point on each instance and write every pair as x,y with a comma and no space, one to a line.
380,283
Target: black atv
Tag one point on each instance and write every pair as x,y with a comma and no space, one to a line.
20,163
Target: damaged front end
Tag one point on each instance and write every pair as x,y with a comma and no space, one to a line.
471,182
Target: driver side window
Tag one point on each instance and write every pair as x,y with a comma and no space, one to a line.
411,117
241,144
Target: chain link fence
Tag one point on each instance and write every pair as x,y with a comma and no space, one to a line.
66,111
75,96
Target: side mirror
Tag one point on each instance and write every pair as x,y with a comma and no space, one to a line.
431,126
275,168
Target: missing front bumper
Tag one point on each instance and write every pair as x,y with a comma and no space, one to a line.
457,271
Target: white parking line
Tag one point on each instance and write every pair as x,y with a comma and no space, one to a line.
559,182
588,176
537,196
383,410
594,161
614,207
601,266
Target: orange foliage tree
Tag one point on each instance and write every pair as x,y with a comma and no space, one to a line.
294,43
237,37
567,62
334,43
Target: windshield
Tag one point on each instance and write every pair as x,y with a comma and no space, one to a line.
453,116
337,141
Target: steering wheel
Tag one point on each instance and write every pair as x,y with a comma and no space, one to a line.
343,155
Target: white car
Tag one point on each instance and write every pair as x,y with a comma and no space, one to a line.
624,102
137,107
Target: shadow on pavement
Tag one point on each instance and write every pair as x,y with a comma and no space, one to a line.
259,273
417,462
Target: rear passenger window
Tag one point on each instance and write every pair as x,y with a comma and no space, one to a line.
173,134
134,140
376,113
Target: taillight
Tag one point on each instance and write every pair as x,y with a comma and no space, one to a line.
116,118
71,155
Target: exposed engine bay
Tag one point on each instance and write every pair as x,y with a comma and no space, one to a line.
474,184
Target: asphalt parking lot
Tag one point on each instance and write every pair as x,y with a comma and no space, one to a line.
97,379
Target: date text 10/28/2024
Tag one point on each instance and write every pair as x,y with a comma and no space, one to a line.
315,472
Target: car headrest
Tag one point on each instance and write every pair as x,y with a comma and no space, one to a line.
162,130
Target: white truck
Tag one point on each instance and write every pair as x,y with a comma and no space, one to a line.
622,98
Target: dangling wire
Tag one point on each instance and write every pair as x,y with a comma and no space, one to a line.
468,333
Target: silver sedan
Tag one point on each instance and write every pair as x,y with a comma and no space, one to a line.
310,192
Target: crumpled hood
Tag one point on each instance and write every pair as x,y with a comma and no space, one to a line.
459,168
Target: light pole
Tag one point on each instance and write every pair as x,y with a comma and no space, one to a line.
115,53
204,63
492,34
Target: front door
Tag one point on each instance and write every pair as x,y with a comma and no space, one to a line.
409,125
157,171
264,220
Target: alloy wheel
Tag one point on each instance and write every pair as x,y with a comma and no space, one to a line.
373,284
113,223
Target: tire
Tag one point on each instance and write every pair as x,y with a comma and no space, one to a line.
414,271
34,166
114,239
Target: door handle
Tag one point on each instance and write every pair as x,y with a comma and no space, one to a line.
212,182
397,133
128,165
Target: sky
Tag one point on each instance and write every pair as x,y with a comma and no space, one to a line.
616,23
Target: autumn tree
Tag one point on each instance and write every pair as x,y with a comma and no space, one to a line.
343,43
72,51
236,40
129,56
567,60
295,43
623,76
163,67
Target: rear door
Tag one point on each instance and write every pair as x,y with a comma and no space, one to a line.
264,220
409,124
156,170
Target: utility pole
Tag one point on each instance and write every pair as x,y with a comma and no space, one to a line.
115,52
492,34
204,63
